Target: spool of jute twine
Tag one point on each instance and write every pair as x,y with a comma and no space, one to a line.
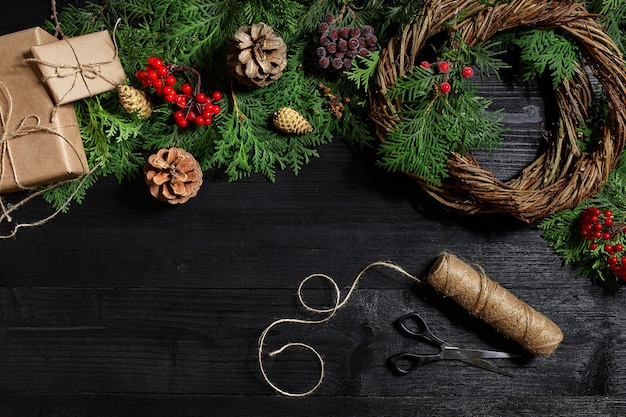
486,299
452,277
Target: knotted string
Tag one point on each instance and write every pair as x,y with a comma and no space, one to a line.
23,129
330,312
80,71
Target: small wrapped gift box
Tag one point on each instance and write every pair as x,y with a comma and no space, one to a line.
39,143
79,67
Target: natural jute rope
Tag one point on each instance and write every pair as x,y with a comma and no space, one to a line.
452,277
484,298
564,175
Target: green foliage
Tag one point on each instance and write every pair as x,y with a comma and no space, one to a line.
362,70
547,51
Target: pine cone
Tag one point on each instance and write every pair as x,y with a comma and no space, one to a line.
290,121
173,175
256,55
134,100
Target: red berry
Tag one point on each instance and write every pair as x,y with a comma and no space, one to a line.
618,247
425,64
608,213
606,236
593,246
139,75
201,98
445,87
155,62
182,122
169,97
608,248
191,116
216,95
216,109
158,84
467,72
207,121
612,260
170,80
181,101
199,120
608,222
162,71
167,90
443,66
178,114
186,89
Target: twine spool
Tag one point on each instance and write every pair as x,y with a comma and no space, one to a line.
486,299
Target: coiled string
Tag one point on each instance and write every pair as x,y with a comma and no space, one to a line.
338,303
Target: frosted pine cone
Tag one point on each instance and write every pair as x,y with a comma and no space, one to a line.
134,100
288,120
173,175
256,55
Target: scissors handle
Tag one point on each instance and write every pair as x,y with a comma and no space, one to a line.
413,325
405,363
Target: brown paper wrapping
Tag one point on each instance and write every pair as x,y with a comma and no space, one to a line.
79,67
38,143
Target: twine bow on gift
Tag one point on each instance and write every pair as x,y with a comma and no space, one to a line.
28,125
80,71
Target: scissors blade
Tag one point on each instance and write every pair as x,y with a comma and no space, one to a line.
488,366
485,354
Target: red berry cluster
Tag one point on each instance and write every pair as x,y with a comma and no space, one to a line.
194,107
444,67
599,228
339,45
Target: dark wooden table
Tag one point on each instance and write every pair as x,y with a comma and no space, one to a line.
126,307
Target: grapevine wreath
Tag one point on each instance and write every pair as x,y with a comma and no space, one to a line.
565,174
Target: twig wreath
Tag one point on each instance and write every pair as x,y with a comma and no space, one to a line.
566,173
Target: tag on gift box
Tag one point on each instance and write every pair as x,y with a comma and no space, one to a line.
40,143
79,67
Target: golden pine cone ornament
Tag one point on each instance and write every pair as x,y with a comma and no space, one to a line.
288,120
256,55
134,100
174,175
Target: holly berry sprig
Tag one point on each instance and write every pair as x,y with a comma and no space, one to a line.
604,236
444,68
194,107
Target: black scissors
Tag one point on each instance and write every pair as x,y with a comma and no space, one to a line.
413,325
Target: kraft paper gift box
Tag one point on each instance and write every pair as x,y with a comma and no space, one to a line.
40,143
79,67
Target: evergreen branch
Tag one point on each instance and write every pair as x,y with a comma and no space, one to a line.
546,51
362,70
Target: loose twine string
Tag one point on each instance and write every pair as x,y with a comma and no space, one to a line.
469,287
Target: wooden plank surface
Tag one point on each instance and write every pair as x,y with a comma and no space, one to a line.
125,307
